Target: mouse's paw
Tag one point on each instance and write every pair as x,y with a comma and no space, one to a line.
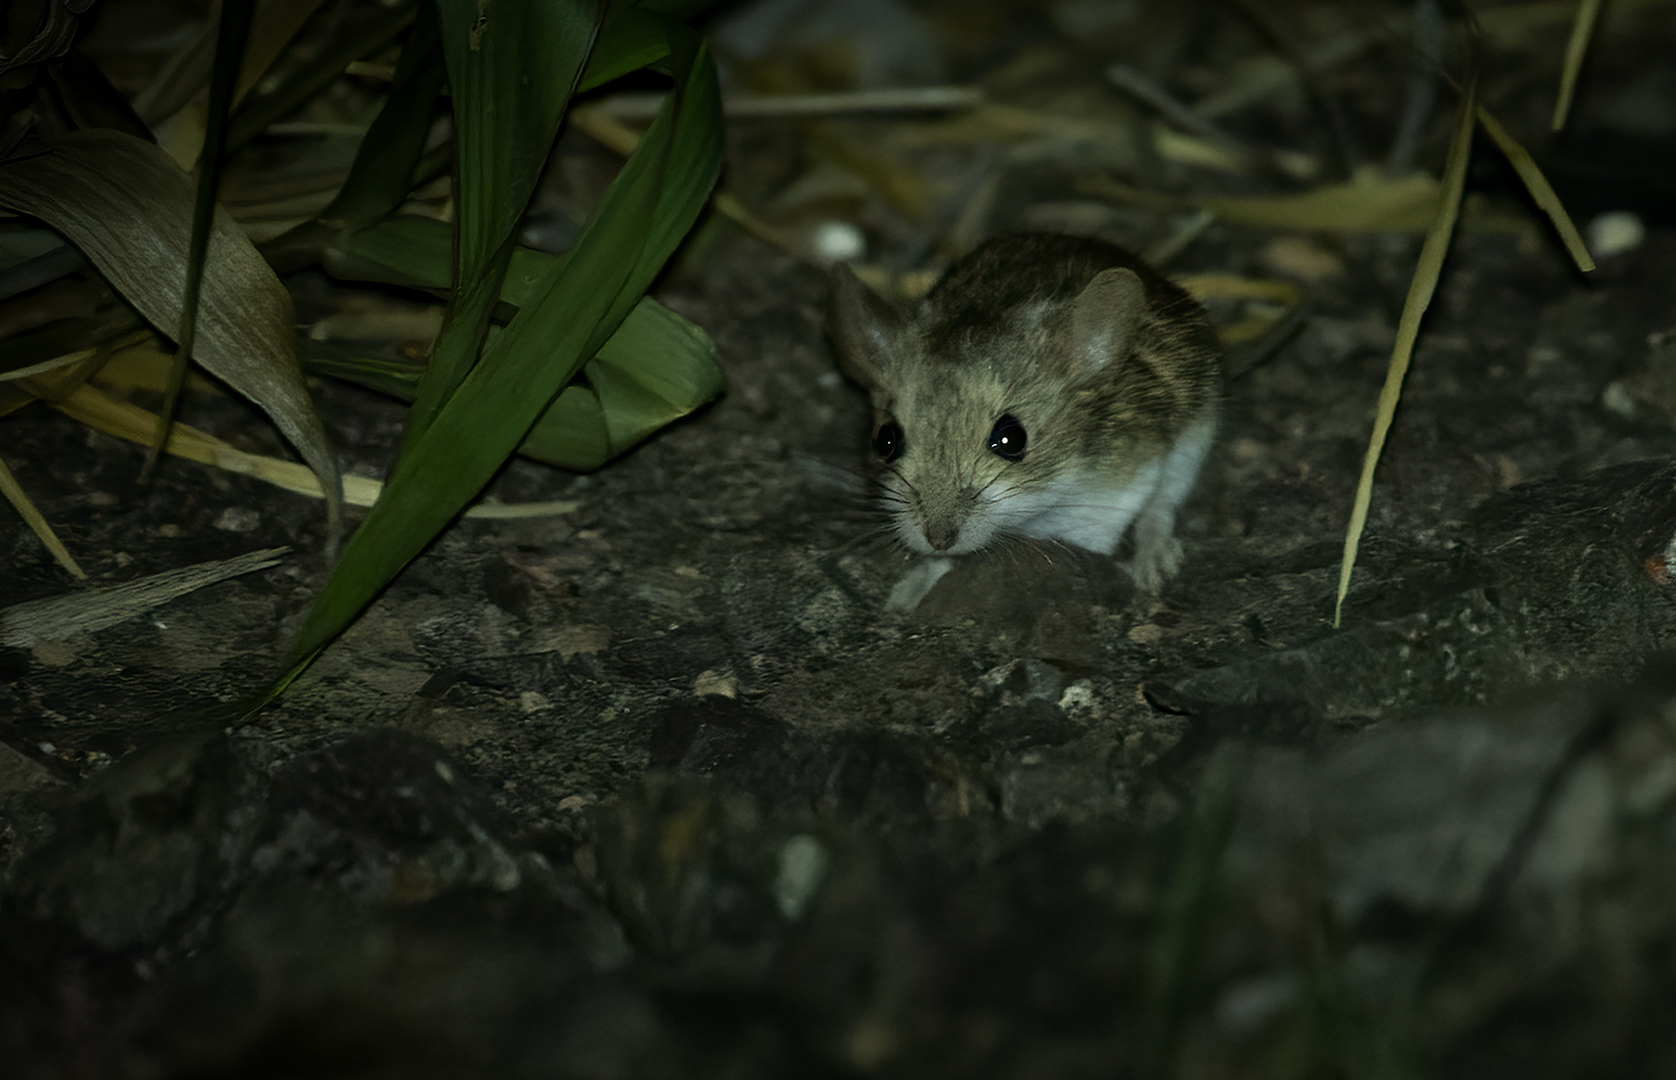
907,593
1157,558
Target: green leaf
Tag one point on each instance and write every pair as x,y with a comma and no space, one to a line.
382,174
62,336
402,249
656,368
128,208
360,34
677,9
416,251
90,99
387,375
232,35
1186,914
573,310
379,179
632,38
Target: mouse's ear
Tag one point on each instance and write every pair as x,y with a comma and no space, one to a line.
864,327
1105,316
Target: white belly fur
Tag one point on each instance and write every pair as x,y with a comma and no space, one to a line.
1088,511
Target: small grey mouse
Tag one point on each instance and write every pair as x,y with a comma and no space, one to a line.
1047,387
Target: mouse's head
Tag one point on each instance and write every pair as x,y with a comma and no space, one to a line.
988,416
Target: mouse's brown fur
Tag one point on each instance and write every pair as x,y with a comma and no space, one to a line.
1111,370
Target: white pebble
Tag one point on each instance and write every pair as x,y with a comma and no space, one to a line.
1615,232
802,868
838,241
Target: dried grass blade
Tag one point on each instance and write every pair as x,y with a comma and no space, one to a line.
83,612
1540,190
1582,29
1420,291
37,524
1368,202
98,410
128,208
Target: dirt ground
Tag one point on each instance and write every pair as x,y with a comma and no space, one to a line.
656,786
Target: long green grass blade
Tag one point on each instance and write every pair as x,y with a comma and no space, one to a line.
645,213
188,70
382,174
678,9
511,71
416,251
232,34
378,181
61,336
388,375
1420,291
1186,913
404,249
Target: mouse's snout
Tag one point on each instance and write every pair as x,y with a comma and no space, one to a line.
945,522
942,535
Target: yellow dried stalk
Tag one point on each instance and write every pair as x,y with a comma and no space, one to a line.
1540,190
37,524
1420,291
1582,29
102,412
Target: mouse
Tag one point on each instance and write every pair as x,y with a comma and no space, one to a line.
1048,388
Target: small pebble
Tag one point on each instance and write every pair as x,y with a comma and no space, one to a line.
1294,256
802,869
1614,233
712,683
839,241
238,519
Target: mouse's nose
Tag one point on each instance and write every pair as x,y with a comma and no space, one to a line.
942,535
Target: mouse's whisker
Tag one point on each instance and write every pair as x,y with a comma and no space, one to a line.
901,478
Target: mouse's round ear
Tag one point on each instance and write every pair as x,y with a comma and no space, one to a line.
864,327
1105,316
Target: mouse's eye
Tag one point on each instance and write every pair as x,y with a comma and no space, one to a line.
887,441
1007,437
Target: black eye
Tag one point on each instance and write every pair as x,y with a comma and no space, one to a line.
1007,437
887,441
